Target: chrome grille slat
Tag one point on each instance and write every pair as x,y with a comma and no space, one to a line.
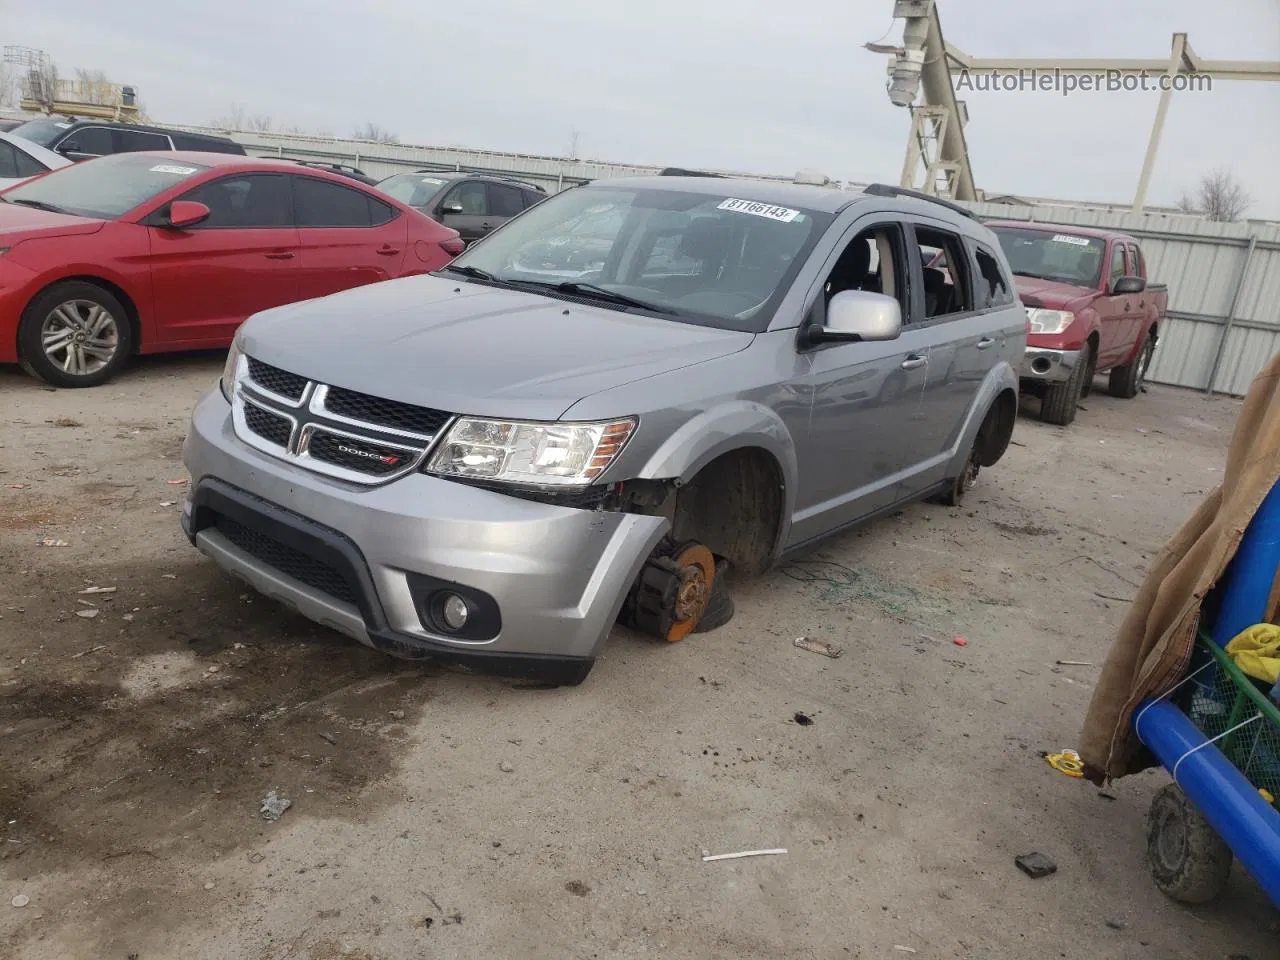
303,427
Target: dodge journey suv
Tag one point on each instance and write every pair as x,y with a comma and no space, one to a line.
495,463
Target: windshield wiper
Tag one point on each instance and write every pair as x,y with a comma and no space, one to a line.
474,272
37,204
609,296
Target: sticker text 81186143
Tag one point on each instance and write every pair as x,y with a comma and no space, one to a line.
766,210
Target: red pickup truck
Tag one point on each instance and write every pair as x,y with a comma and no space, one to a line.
1090,309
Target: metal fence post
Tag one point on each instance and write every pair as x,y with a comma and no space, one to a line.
1231,315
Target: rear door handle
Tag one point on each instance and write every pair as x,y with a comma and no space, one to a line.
985,342
280,255
387,251
913,362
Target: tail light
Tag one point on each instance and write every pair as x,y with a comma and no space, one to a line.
453,246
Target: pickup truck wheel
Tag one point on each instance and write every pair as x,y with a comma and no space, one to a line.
1126,381
1091,370
74,334
1060,400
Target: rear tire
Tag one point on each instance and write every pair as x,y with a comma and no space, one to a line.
1189,862
953,495
1060,400
1126,381
75,334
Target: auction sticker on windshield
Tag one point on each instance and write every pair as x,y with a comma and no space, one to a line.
1067,238
766,210
173,169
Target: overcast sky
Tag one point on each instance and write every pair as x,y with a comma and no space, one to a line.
767,88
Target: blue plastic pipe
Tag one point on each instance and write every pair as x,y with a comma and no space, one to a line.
1247,823
1246,585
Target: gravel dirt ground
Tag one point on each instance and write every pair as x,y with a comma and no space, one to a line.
436,814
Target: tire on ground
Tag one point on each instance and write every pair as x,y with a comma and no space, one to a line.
1189,862
1125,381
39,314
1060,400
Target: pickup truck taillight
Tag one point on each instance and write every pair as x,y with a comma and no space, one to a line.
453,246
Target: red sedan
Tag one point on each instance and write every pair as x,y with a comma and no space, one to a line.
151,252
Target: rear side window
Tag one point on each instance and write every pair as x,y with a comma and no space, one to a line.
994,288
255,200
945,268
319,203
504,201
132,141
379,212
531,197
26,166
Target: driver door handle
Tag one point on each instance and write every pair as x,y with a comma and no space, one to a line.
914,362
279,255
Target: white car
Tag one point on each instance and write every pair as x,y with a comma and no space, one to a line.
21,160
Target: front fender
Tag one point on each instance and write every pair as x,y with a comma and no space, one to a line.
999,378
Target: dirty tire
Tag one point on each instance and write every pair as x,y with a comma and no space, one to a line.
1086,387
1126,381
91,318
1059,404
720,607
1189,862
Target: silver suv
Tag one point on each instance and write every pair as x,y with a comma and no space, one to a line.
495,463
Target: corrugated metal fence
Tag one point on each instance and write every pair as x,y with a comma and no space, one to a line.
1224,290
1224,278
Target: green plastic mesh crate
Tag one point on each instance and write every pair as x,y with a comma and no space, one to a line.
1230,709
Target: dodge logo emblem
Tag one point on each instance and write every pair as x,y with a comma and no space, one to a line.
383,458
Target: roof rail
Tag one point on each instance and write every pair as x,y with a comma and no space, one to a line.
888,190
681,172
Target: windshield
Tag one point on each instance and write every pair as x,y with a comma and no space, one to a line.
414,189
1052,256
699,258
43,132
106,188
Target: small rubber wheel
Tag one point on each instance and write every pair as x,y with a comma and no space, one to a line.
720,607
74,334
1189,862
1126,381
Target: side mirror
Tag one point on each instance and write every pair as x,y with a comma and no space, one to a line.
857,315
68,147
186,213
453,207
1129,285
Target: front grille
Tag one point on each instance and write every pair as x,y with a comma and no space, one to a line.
287,560
278,381
269,426
360,455
384,413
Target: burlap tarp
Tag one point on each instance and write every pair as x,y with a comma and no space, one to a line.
1153,646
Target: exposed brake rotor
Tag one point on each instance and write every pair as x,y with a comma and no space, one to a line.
672,591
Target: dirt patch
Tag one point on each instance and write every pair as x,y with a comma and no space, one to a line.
1024,529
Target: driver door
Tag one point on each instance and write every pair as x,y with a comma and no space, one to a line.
465,208
866,397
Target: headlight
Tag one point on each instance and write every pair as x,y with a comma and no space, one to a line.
1049,321
228,381
560,454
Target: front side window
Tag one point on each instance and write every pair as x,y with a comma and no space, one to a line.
133,141
698,258
1117,264
256,200
106,188
471,198
91,140
872,262
1050,255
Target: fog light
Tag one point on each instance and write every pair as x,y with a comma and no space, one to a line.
454,612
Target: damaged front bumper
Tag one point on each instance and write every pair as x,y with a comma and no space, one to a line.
544,583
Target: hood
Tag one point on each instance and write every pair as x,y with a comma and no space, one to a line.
19,223
467,348
1051,294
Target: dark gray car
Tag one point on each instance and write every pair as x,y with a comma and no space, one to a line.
471,203
494,464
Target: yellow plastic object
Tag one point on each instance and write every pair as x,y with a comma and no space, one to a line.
1256,651
1068,762
1267,795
